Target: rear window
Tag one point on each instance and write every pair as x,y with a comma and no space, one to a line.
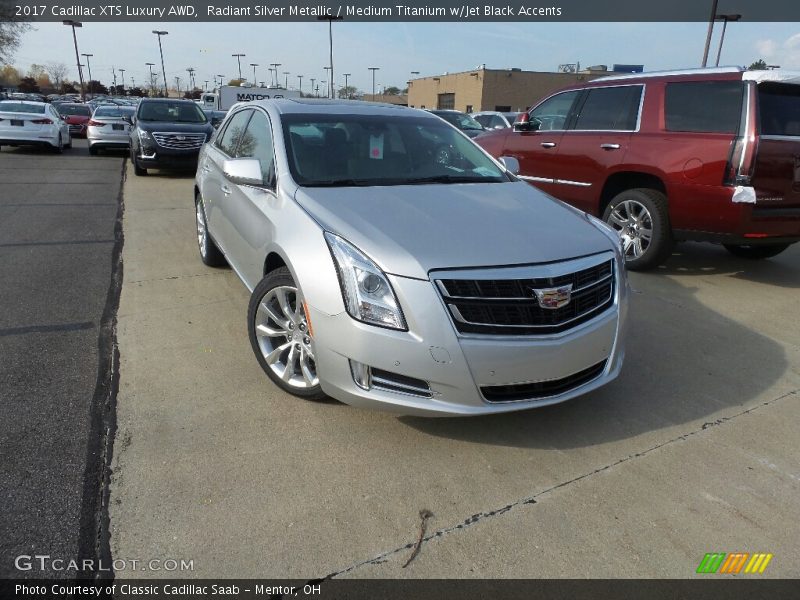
74,109
115,111
19,107
779,106
704,106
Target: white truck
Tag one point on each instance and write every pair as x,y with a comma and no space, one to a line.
229,95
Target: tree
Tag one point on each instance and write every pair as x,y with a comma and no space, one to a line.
391,91
348,92
759,65
11,31
57,72
193,95
236,82
9,76
67,87
117,90
95,87
136,91
28,85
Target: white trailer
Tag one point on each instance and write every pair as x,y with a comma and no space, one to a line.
231,94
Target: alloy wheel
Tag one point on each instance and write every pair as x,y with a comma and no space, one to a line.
284,338
201,230
634,225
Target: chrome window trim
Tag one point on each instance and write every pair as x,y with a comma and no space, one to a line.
576,183
638,116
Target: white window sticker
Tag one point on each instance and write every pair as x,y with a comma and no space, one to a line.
376,147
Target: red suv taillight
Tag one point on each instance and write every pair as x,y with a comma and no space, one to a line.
42,122
742,157
93,123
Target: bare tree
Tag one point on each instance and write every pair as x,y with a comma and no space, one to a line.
57,72
10,32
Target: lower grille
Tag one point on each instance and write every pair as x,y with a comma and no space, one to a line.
541,389
512,306
180,141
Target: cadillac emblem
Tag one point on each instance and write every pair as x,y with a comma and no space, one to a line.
553,298
180,138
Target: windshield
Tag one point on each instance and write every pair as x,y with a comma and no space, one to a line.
366,150
113,112
19,107
460,120
74,109
174,112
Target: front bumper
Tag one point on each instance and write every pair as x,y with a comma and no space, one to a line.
455,366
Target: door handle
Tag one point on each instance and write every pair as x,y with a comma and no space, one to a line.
548,144
225,189
609,146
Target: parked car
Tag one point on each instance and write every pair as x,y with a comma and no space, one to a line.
386,278
77,116
215,116
460,120
705,154
492,119
168,134
24,123
109,127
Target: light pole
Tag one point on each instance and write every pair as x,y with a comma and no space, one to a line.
239,62
254,65
221,79
346,87
286,82
152,85
328,91
275,68
724,19
178,85
312,84
373,69
710,31
206,87
89,66
161,52
122,78
300,77
191,70
75,24
330,19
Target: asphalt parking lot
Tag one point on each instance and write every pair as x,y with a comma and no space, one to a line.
693,450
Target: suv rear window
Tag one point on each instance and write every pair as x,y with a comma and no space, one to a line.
779,105
704,106
610,109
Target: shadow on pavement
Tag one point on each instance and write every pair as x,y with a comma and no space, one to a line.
684,363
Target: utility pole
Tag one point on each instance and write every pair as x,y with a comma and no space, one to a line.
373,69
161,51
89,66
75,24
711,20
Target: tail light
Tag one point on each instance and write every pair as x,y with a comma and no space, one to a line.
93,123
42,122
742,158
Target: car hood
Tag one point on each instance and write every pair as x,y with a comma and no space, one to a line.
174,127
411,230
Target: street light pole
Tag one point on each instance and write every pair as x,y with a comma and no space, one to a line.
152,86
178,85
724,19
122,77
161,52
312,84
274,68
328,89
286,82
239,62
346,87
300,77
75,24
254,65
330,19
190,70
710,31
89,66
373,69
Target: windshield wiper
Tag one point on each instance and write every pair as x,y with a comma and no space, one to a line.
340,183
452,179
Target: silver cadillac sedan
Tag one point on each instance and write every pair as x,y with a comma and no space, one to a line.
394,264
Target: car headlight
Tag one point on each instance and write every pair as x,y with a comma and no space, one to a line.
367,293
144,136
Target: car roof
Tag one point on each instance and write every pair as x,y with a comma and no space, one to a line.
20,101
336,107
163,100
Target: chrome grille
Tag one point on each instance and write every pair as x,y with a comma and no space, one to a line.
180,141
509,306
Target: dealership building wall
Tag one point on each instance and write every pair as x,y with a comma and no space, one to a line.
490,89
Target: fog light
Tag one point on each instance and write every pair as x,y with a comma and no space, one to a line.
361,375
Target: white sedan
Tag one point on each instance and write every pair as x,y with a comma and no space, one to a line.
24,123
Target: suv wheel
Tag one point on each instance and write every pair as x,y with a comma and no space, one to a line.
137,170
209,252
641,219
280,336
756,252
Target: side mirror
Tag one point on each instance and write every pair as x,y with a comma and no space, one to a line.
511,164
243,171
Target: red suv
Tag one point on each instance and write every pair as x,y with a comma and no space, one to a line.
706,154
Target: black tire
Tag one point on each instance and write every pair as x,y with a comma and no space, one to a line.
137,170
93,150
757,252
69,146
661,243
279,278
60,148
210,253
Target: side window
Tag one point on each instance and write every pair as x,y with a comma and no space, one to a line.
482,119
610,109
496,121
553,112
256,142
229,139
703,106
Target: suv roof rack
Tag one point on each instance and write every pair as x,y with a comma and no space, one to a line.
710,71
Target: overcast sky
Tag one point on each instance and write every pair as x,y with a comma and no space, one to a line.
399,48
